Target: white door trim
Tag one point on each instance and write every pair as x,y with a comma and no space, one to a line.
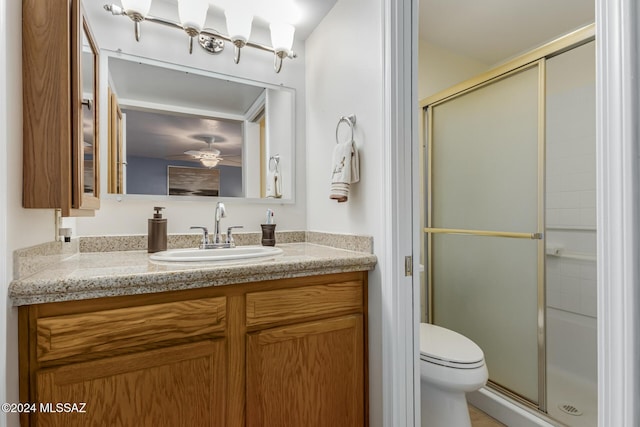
617,213
400,101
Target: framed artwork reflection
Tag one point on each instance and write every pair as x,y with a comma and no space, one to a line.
186,181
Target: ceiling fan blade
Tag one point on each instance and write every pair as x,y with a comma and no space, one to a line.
182,157
194,153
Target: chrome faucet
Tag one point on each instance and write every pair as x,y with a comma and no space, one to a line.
219,214
218,241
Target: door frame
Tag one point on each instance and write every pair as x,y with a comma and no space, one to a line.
400,376
618,219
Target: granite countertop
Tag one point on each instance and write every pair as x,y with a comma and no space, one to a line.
102,274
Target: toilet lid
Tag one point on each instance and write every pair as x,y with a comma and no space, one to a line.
448,348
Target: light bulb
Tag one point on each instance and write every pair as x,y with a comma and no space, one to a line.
193,14
282,36
238,24
136,9
210,163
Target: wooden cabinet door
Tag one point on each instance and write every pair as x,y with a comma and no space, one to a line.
183,385
309,374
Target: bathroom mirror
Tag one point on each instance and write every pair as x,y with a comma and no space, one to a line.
225,130
86,156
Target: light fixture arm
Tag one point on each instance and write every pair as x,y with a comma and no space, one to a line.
238,45
277,60
136,30
211,34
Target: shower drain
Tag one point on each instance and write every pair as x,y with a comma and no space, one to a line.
568,408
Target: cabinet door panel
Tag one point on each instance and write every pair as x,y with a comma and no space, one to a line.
310,374
288,305
109,330
178,386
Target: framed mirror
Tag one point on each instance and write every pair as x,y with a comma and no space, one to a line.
166,117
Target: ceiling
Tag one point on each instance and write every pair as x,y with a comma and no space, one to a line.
167,136
491,31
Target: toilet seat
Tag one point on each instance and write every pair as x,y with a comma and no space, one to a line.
445,347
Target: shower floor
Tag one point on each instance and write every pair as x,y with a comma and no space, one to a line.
575,395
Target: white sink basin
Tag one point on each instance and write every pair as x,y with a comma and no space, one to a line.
215,255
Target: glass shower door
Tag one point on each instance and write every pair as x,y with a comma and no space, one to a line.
484,224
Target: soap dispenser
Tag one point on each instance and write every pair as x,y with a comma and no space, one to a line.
157,232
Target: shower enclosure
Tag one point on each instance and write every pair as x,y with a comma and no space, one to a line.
509,223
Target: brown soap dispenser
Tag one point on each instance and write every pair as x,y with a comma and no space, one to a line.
157,232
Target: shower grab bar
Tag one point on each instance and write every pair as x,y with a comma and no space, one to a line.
533,236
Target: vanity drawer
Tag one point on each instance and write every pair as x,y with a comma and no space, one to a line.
287,305
100,331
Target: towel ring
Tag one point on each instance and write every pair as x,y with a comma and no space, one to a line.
349,120
276,161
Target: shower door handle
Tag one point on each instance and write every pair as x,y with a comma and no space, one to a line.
513,235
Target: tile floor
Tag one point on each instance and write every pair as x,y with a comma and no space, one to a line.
480,419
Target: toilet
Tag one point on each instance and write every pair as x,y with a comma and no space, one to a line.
450,366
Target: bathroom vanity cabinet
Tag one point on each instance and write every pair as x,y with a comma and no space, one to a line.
287,352
60,112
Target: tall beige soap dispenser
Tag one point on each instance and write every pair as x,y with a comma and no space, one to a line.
157,235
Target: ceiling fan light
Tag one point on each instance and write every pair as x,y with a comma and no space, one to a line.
136,7
193,14
210,163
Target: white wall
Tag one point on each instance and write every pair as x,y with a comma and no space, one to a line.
439,69
129,216
345,76
277,135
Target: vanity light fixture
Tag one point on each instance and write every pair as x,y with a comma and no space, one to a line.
239,27
137,10
192,15
239,17
282,41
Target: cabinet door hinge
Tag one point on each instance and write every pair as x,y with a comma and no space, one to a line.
408,265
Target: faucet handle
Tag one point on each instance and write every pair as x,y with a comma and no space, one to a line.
205,234
230,240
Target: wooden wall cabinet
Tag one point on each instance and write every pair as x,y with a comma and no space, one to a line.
60,108
278,353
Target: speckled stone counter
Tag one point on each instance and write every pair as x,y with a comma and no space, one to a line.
94,275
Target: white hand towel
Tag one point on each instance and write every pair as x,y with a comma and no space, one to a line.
345,170
274,184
